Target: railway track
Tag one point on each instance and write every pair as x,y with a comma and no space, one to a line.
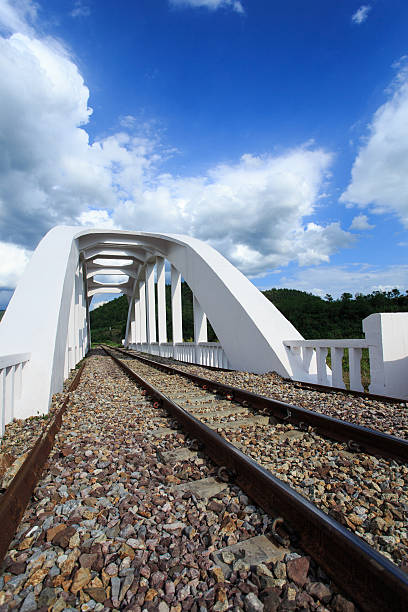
356,437
218,421
14,500
139,509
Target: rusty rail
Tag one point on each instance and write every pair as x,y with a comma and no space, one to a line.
368,440
14,501
372,581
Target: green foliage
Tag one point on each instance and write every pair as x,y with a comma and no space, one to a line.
1,314
108,322
312,315
316,317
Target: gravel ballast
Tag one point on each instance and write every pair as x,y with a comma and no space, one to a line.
107,527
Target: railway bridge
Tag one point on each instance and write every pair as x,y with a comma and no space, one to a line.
158,470
45,331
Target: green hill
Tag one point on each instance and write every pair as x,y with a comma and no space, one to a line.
312,315
108,322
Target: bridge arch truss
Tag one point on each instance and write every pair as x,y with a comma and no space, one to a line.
48,315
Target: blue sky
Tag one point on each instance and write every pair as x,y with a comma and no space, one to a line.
276,131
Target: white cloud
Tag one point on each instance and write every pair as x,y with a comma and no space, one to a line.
49,171
361,14
352,278
252,211
380,171
13,261
235,5
360,222
258,211
95,305
80,9
96,218
17,17
128,121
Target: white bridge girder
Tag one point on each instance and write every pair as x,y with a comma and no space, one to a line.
51,320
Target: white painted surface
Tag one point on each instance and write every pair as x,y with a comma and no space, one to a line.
200,322
150,303
142,310
387,335
161,299
11,384
176,313
204,353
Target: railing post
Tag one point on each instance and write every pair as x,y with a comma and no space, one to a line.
307,354
321,354
8,397
337,367
355,369
3,399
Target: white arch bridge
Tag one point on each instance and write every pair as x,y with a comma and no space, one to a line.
45,330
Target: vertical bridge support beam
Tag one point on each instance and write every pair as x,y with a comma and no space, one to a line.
136,307
151,304
200,322
161,299
176,314
142,308
200,330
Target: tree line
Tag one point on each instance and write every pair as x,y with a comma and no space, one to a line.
312,315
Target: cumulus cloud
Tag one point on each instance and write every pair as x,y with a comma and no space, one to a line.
13,261
252,211
380,171
361,14
360,222
235,5
258,211
50,172
353,278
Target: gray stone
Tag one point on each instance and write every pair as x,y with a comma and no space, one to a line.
115,583
47,598
250,421
162,431
202,489
16,580
253,551
178,454
252,603
29,603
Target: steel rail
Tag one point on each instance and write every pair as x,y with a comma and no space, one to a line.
327,389
15,499
372,581
368,440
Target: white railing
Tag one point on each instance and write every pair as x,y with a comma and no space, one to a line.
11,384
201,353
304,350
386,338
